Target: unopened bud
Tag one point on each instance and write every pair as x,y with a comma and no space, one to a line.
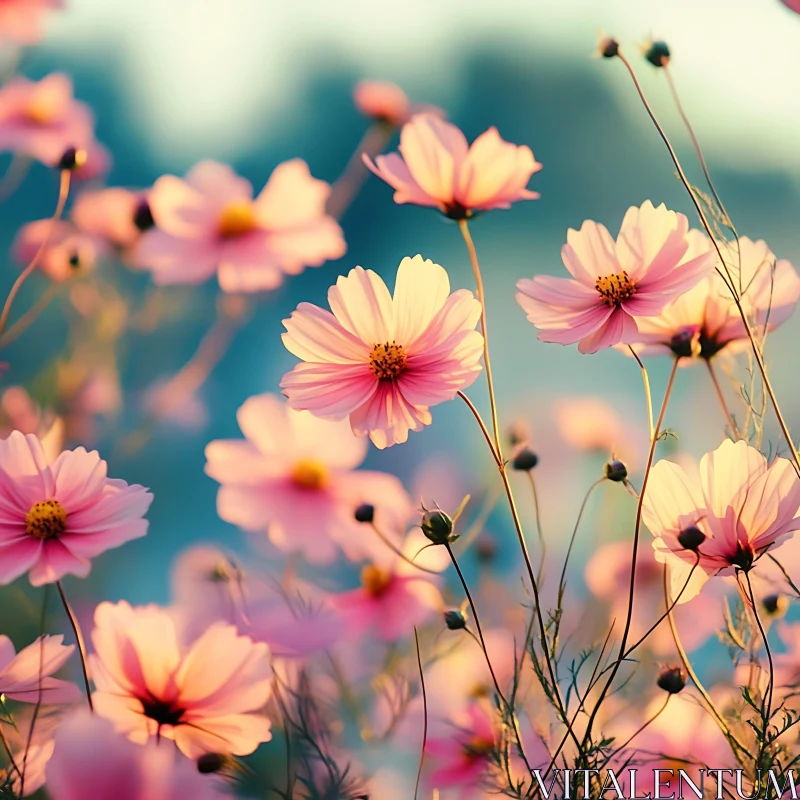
74,261
72,158
525,460
365,513
615,470
438,527
608,47
455,620
143,216
776,605
691,538
671,679
211,762
657,53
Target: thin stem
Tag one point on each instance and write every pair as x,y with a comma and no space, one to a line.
31,315
771,679
539,532
639,730
482,424
9,753
76,629
425,715
647,396
737,300
635,550
473,257
398,552
63,192
718,389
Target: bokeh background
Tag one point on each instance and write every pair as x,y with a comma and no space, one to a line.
255,82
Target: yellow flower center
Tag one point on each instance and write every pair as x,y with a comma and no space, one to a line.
310,474
39,110
388,361
478,748
615,289
375,580
236,219
46,520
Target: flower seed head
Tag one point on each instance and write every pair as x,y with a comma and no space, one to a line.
72,158
616,471
671,679
608,47
657,53
691,538
365,513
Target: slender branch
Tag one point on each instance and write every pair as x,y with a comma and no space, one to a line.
63,192
640,729
425,715
737,300
771,679
718,390
539,531
8,750
398,552
647,396
76,629
482,424
31,315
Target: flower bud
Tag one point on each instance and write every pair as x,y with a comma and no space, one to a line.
365,513
143,216
211,762
671,679
657,53
525,460
74,261
691,538
455,620
438,527
72,158
608,47
615,470
775,605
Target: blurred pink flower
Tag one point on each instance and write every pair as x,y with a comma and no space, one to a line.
21,21
382,101
18,412
210,223
295,478
741,504
380,360
20,673
107,215
207,697
793,5
67,252
463,759
394,595
608,575
613,284
42,119
91,761
705,320
55,516
436,167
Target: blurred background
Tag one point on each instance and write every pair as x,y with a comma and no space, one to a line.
255,82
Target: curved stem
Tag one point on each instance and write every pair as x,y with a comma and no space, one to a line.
63,192
721,397
31,315
647,396
482,424
639,730
771,678
425,715
8,750
76,629
539,532
473,257
634,551
737,300
398,552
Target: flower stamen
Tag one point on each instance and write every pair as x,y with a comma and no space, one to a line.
375,580
236,219
615,289
309,473
46,520
388,361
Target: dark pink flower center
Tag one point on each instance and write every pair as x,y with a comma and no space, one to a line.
478,749
388,361
46,520
162,712
615,289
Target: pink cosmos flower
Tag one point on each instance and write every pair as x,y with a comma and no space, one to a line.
108,215
55,516
704,321
436,167
68,251
743,505
210,223
794,5
382,101
20,672
394,595
21,21
42,119
34,736
19,412
91,761
294,476
207,697
463,759
613,284
380,360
